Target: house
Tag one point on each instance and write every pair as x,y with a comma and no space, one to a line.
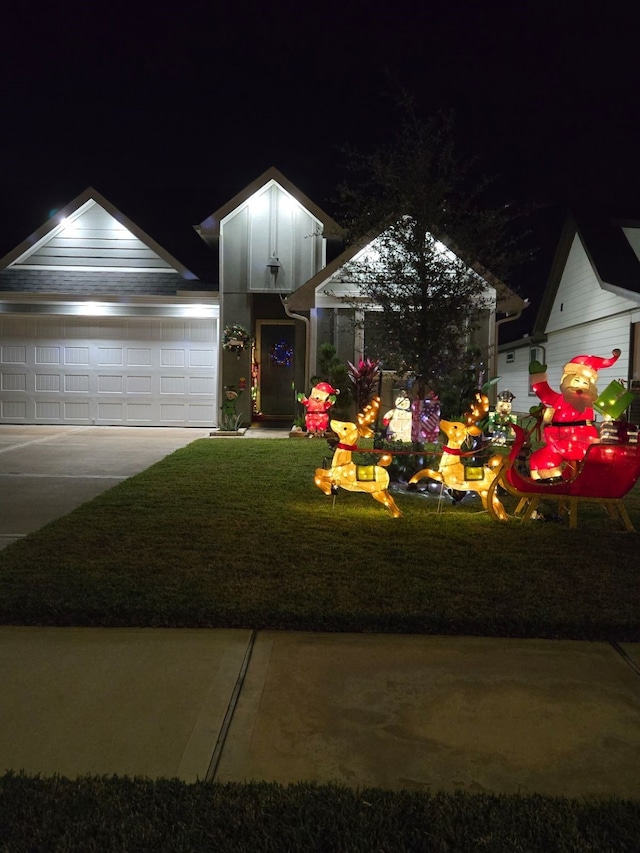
107,320
591,305
100,324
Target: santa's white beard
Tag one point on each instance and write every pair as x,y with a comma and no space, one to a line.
579,401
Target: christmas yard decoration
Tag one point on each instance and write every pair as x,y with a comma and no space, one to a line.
318,404
501,420
605,475
229,418
398,420
345,474
569,428
454,469
235,338
425,425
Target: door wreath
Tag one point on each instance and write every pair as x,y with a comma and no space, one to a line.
235,338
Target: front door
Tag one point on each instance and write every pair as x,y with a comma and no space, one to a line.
275,393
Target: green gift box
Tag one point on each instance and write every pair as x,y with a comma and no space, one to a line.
614,400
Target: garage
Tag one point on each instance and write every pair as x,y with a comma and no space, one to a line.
133,370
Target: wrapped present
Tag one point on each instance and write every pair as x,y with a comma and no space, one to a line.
614,400
618,432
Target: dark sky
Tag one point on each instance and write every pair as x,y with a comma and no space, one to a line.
199,98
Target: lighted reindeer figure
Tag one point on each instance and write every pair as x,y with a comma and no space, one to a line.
343,473
451,470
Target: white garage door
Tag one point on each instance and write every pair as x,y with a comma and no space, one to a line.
134,371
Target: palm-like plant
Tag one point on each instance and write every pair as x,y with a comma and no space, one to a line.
364,379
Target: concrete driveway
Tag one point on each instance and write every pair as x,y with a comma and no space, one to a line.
46,471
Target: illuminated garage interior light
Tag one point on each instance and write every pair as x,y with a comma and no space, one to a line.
199,311
93,309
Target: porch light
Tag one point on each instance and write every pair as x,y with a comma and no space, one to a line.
274,265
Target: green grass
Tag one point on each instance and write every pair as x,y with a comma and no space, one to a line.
122,814
234,533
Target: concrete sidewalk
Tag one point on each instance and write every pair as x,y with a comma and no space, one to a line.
396,711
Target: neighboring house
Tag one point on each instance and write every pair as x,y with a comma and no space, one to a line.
590,306
104,322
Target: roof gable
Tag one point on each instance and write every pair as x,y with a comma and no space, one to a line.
91,233
305,297
612,248
211,225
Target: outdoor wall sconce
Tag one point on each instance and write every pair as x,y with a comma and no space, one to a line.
274,265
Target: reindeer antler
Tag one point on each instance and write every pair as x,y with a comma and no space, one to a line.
478,410
368,416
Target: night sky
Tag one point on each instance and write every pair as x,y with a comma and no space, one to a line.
194,100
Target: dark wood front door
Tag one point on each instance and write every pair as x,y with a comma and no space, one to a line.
276,392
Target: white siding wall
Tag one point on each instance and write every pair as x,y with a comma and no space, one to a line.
94,239
598,338
272,223
584,320
515,378
580,299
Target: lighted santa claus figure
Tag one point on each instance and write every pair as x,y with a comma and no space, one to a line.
569,419
317,404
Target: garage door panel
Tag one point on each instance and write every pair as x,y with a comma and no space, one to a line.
47,355
108,381
13,382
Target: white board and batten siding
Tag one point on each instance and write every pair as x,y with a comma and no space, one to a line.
110,371
585,319
271,224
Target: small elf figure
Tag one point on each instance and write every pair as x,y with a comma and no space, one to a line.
501,419
317,404
229,417
398,420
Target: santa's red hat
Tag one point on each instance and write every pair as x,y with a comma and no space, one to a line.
326,388
588,365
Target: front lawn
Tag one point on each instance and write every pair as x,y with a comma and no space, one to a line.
122,814
234,533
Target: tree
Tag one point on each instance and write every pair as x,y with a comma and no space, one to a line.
423,278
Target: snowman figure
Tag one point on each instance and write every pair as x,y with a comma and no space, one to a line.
398,420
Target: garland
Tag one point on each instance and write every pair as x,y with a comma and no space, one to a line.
235,338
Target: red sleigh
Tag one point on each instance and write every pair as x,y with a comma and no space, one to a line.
605,475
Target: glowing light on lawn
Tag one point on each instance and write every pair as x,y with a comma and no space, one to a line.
345,474
452,470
